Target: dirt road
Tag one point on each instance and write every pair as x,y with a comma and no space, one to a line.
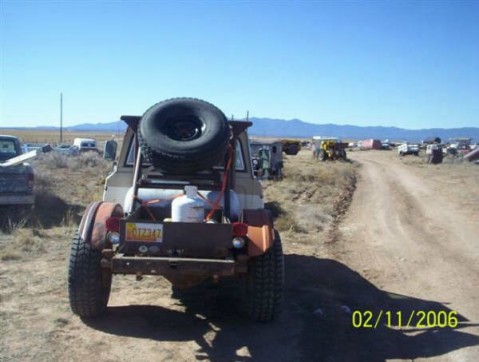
406,244
413,230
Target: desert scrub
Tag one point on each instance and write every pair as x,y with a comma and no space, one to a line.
54,160
305,202
76,180
32,242
63,187
21,242
89,159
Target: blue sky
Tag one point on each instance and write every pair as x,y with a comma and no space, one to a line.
410,64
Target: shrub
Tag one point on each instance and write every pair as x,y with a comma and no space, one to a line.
89,159
54,160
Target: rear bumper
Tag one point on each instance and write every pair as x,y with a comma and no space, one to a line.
17,199
168,266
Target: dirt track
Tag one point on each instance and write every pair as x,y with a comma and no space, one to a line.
405,244
413,230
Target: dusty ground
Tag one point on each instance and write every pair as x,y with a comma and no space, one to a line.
408,242
412,230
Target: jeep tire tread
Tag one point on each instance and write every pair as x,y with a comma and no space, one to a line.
264,284
88,283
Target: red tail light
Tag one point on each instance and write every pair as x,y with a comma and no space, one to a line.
113,224
240,229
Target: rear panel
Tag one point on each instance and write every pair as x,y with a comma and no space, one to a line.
192,240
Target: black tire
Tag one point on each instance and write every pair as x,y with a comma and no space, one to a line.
184,135
89,284
263,289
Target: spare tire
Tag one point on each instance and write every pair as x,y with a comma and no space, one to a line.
184,135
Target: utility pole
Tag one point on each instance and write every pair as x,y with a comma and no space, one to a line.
61,118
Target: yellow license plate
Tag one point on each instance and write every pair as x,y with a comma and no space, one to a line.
136,231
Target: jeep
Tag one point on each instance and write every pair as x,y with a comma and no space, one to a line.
182,203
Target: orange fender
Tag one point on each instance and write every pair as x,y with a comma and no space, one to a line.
92,226
260,230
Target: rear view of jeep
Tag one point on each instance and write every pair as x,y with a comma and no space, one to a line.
182,203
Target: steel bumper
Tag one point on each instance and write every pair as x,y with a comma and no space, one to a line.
167,266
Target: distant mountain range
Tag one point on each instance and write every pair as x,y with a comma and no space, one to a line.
267,127
300,129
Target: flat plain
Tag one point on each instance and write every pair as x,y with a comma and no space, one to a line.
379,233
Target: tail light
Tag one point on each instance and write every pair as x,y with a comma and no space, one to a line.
113,224
240,229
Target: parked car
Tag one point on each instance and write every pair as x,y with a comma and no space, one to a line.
408,149
267,158
69,150
16,175
86,145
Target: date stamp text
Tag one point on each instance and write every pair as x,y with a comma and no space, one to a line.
400,319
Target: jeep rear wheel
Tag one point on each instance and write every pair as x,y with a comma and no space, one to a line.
88,283
184,135
264,284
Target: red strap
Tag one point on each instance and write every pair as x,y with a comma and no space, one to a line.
223,186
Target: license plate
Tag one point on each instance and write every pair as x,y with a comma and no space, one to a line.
136,231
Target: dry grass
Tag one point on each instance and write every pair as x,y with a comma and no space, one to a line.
35,318
309,199
53,137
24,241
457,176
77,180
421,160
305,203
64,186
21,241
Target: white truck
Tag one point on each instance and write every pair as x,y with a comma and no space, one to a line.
408,149
86,145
